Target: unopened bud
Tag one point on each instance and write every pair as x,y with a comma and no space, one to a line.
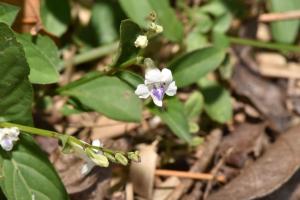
121,159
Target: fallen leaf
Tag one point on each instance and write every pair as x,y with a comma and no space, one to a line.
264,95
268,173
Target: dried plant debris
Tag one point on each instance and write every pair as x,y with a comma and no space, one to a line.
267,97
246,139
268,173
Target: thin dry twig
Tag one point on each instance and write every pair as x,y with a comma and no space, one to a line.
271,17
209,149
192,175
214,172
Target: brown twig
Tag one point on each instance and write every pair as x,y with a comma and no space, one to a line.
200,165
270,17
192,175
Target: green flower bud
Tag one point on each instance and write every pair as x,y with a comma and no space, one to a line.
110,157
121,159
134,156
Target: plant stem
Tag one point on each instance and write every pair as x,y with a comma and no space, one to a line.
91,54
266,45
53,134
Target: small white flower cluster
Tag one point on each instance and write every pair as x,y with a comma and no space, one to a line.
142,40
157,84
8,136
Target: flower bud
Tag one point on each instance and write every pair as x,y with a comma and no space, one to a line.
121,159
134,156
141,41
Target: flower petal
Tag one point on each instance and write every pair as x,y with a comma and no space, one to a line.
6,144
166,76
96,143
172,89
142,91
156,101
87,167
153,76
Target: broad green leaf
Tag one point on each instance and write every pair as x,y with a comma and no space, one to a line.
26,172
217,101
194,105
8,13
56,16
139,10
203,21
190,67
223,23
16,91
131,78
42,57
107,95
173,28
128,34
103,21
195,40
29,175
215,8
174,116
284,31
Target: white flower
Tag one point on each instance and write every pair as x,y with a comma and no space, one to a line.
157,84
97,158
8,136
155,27
141,41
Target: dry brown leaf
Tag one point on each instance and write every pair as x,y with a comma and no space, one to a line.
245,139
268,173
142,173
264,95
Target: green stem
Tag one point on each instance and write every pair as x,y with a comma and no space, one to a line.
91,54
266,45
53,134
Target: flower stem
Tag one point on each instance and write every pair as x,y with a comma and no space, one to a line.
266,45
53,134
91,54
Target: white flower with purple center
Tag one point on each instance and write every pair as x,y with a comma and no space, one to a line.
8,136
157,84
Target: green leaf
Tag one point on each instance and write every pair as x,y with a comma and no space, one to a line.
194,105
128,34
217,101
104,15
29,175
16,91
8,13
223,23
195,40
42,57
107,95
174,116
56,15
284,31
131,78
139,10
215,8
190,67
173,28
26,171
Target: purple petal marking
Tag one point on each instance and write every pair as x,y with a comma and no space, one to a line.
158,92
